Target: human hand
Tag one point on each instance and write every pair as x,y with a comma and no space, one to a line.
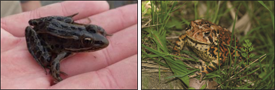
112,67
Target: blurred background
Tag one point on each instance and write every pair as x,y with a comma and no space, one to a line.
14,7
113,4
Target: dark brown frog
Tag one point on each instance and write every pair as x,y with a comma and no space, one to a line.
53,38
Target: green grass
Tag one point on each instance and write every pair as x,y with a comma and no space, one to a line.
167,18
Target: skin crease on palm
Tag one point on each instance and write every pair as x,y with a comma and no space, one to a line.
112,67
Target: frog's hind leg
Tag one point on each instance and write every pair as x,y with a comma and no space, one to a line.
212,66
36,48
204,69
55,65
202,73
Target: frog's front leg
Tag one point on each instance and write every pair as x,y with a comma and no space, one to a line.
55,66
179,45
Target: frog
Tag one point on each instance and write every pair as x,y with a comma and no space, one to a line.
210,42
53,38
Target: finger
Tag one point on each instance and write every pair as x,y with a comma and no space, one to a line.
122,45
116,19
121,75
16,24
8,41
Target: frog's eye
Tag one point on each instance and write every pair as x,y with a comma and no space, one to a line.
206,34
87,40
59,18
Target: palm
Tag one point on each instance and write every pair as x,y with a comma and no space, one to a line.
112,67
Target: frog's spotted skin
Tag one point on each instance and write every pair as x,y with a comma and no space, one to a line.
53,38
202,38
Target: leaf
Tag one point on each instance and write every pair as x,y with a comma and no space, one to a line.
244,54
262,75
203,86
251,55
251,49
249,44
246,41
244,45
243,49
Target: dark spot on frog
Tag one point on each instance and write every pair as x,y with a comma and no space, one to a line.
91,29
56,24
64,26
72,27
36,48
61,31
51,28
49,39
57,46
33,22
68,20
39,53
57,66
62,41
202,68
59,18
210,39
80,29
189,26
43,43
208,69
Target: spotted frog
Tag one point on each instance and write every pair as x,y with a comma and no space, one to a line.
206,39
53,38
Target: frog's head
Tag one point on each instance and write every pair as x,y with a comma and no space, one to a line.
203,31
95,37
99,35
